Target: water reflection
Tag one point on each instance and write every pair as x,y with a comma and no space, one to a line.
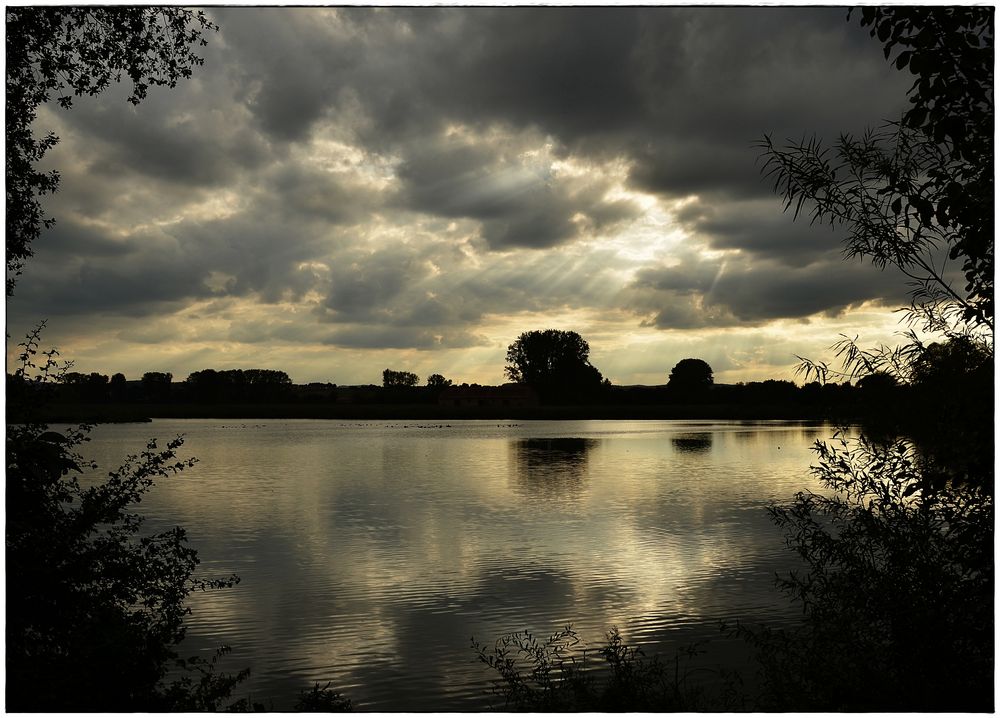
551,468
370,554
697,443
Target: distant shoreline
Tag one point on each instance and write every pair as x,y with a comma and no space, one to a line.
125,413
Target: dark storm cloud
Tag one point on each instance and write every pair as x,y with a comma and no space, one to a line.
569,72
457,104
761,230
153,271
729,291
290,63
674,88
168,148
683,93
191,135
71,239
368,286
136,284
737,73
432,292
518,204
308,195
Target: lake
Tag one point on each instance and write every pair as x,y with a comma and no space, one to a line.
371,553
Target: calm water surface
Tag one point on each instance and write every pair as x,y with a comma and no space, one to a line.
370,553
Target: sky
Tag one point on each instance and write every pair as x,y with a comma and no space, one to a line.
342,190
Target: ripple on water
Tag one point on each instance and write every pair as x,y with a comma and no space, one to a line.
370,554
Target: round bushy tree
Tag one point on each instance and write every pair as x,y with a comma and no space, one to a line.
552,361
690,374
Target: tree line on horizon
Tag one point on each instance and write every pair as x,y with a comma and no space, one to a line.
555,364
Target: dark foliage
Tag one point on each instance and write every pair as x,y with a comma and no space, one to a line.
73,51
95,604
555,674
917,192
950,51
896,590
437,381
156,385
392,378
950,415
556,363
897,586
238,385
690,375
322,699
87,387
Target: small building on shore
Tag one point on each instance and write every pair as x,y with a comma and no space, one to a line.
474,395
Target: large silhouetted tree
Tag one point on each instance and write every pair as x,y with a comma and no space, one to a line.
392,378
238,384
156,385
63,52
690,375
552,361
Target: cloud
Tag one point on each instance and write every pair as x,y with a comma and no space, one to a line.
728,290
289,64
511,185
424,178
380,337
761,230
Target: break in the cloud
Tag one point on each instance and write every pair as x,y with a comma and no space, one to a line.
342,189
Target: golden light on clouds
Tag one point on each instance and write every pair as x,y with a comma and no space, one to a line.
417,208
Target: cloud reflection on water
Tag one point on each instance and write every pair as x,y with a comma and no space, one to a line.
369,555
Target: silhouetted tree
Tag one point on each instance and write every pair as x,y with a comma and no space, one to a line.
392,378
950,51
554,362
238,385
87,387
952,413
206,385
951,366
690,375
156,385
67,51
264,384
770,391
116,387
880,383
438,381
266,377
879,394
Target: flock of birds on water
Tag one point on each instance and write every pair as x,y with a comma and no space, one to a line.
387,426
